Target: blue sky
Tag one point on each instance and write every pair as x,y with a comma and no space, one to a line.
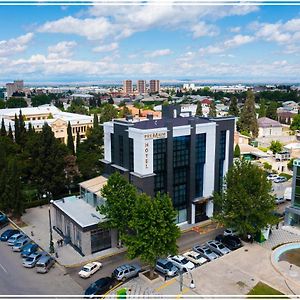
168,42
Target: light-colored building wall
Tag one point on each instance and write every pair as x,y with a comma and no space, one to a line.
269,131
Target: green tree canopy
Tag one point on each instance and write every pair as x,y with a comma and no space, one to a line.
16,103
3,129
40,100
296,123
262,112
248,120
153,232
237,151
212,110
276,147
271,111
233,108
120,198
246,204
70,140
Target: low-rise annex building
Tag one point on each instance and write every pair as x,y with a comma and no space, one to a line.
53,116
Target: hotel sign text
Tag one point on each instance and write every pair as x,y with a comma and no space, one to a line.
155,135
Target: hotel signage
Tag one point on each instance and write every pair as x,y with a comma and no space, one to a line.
155,135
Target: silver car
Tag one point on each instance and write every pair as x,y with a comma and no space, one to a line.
218,247
31,260
206,252
126,271
14,238
20,244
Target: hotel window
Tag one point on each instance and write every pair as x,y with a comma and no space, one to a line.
200,161
159,165
121,150
112,146
131,166
222,151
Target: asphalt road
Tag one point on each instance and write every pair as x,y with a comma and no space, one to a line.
185,242
17,280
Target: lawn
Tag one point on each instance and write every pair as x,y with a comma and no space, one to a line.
264,289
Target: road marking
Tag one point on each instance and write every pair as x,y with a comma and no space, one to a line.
181,294
3,269
166,284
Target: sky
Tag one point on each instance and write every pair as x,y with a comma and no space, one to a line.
97,43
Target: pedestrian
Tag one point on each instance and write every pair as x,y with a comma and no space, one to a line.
31,232
277,225
56,254
291,267
57,242
61,242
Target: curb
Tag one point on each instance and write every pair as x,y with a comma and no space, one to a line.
201,225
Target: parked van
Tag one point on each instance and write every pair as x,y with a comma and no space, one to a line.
44,264
288,194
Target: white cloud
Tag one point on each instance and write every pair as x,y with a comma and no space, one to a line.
106,48
15,45
61,49
157,53
234,42
202,29
235,29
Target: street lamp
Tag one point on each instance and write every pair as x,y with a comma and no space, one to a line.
51,246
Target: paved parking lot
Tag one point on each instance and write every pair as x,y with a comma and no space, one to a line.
18,280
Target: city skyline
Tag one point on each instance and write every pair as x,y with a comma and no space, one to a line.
234,44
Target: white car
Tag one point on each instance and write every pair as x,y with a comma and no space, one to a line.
181,263
195,258
272,177
89,269
230,231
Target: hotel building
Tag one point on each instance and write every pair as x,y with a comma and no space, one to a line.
185,157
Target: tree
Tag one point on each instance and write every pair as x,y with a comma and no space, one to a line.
233,108
10,133
77,140
110,100
262,112
276,147
272,110
153,232
95,121
212,110
71,170
267,166
296,123
16,103
3,129
70,141
248,121
290,164
246,204
40,100
108,113
17,130
124,112
199,111
237,151
120,198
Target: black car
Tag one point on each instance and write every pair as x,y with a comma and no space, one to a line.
230,241
3,222
100,287
7,234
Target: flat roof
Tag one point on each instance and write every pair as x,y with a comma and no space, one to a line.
79,211
94,185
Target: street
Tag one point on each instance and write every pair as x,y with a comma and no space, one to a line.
185,242
18,280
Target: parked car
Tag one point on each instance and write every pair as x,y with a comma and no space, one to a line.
272,176
3,220
31,260
100,287
14,238
230,231
195,257
20,244
44,264
127,271
288,194
181,263
89,269
3,217
280,179
166,267
279,200
218,247
29,249
7,234
230,241
206,252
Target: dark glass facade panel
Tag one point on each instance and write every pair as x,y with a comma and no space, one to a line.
112,145
159,165
297,189
121,151
222,152
298,171
200,161
131,165
100,239
181,165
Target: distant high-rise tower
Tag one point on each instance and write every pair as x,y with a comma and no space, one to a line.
154,86
141,86
16,86
127,87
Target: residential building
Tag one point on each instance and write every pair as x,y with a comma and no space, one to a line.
292,212
185,157
16,86
56,119
268,127
141,86
127,87
154,86
76,219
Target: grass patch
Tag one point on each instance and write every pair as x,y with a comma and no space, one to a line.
263,289
288,176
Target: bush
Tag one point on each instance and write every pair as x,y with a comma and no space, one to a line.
36,203
267,166
263,149
288,176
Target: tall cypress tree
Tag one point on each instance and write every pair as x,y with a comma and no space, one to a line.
10,133
233,108
96,121
77,140
212,110
2,130
70,141
17,130
199,111
248,120
262,109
